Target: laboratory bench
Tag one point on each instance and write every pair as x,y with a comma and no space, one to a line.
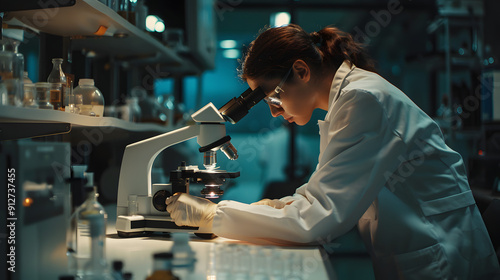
220,258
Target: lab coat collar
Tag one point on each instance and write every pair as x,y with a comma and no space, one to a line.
337,82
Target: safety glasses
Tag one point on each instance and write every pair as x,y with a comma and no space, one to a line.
274,98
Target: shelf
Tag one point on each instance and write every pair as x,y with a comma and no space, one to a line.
9,114
14,130
81,21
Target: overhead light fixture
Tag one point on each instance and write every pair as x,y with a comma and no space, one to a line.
280,19
231,53
159,27
154,24
228,44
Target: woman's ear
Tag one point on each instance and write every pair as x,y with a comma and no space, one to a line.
302,70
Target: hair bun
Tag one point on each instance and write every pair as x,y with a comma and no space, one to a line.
316,38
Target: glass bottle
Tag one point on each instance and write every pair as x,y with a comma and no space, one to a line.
11,70
118,270
18,65
184,257
162,267
92,99
3,93
18,75
96,267
135,114
87,233
57,79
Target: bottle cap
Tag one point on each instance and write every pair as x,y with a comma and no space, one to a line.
79,170
86,82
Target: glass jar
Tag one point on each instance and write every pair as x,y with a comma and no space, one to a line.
162,267
92,99
42,95
29,96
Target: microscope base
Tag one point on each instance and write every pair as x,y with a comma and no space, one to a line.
138,225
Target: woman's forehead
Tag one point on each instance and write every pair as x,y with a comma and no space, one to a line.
267,85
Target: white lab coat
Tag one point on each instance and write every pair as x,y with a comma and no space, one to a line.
384,166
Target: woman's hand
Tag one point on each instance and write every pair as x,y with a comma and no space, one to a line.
193,211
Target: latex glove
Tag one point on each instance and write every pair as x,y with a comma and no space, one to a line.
275,203
193,211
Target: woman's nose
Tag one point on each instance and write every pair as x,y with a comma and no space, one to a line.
275,111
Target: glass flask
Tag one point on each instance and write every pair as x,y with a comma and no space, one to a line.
92,99
58,80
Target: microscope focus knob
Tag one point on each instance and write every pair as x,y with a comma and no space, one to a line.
159,200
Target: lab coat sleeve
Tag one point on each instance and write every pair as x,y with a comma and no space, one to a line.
360,148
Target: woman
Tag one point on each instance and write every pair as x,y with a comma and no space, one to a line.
383,165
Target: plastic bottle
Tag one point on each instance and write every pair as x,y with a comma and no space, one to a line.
162,267
57,79
93,101
86,243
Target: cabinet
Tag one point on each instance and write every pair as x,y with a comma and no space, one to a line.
457,34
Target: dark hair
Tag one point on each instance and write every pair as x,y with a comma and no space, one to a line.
275,50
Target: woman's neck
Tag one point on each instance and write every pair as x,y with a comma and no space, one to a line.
324,86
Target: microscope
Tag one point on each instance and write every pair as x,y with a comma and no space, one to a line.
141,207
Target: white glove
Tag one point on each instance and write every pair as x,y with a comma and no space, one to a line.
275,203
193,211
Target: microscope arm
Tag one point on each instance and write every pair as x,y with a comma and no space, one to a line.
137,162
138,158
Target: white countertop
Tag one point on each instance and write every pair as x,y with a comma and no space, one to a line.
220,258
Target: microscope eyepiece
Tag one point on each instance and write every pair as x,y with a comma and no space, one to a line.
234,110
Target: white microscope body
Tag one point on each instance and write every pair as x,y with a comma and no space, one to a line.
136,212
